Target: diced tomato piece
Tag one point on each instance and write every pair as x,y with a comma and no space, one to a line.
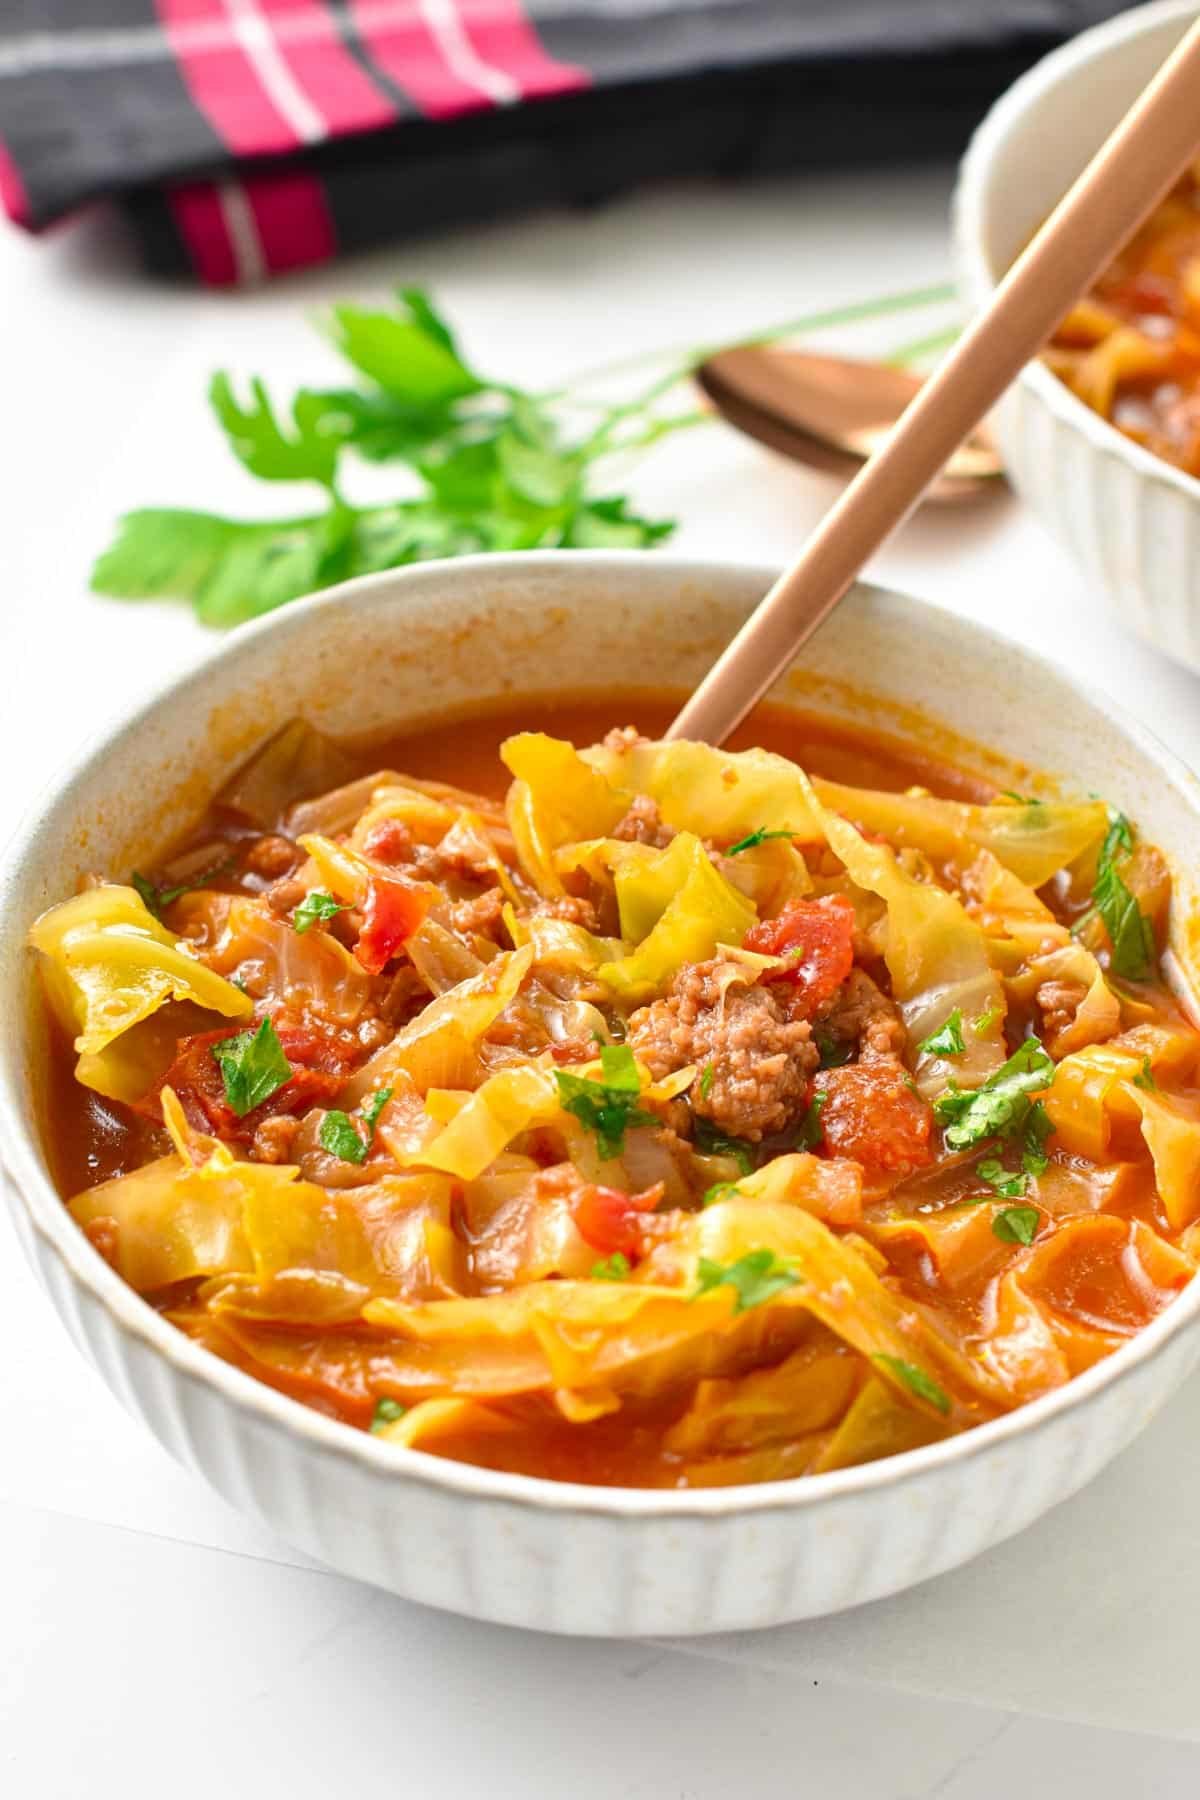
391,913
612,1221
873,1115
817,939
388,841
325,1052
320,1065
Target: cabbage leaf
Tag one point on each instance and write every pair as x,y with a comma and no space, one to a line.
108,966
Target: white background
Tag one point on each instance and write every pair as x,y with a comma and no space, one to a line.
150,1640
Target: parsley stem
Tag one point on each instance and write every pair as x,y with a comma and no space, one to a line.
655,430
685,360
931,345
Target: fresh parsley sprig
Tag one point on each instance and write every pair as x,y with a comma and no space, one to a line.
341,1138
755,1277
754,838
917,1380
613,1268
386,1413
253,1066
948,1040
155,898
1130,932
1002,1107
489,465
316,908
608,1107
712,1142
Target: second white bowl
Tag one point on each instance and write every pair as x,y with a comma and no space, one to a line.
1132,520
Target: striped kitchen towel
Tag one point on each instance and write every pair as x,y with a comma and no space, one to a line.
249,137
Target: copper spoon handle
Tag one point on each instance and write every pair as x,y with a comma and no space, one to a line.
1145,155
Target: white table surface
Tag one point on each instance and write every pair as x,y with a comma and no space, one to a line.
151,1639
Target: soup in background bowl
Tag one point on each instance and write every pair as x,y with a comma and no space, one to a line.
447,1499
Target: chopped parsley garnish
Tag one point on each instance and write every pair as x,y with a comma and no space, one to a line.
1002,1181
253,1066
834,1051
155,898
706,1080
315,908
1016,1224
1002,1106
386,1413
947,1040
711,1142
1021,799
755,1277
720,1190
810,1132
1036,1129
373,1106
608,1107
1129,930
983,1024
615,1268
755,838
1145,1077
916,1380
339,1136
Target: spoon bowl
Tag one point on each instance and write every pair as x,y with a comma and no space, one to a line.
832,413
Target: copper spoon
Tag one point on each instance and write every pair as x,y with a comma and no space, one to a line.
831,413
1133,169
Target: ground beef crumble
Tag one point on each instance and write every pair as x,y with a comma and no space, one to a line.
761,1061
861,1015
643,824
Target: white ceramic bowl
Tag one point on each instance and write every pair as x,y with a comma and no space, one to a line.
510,1548
1132,520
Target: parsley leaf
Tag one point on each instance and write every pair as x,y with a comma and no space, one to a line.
338,1136
720,1190
256,438
607,1107
1144,1079
372,1107
983,1024
916,1380
494,468
1132,935
1002,1181
809,1132
386,1413
1001,1107
752,841
1036,1129
1129,930
253,1066
947,1040
315,908
757,1276
1017,1224
711,1142
341,1138
1118,839
155,898
706,1080
615,1268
